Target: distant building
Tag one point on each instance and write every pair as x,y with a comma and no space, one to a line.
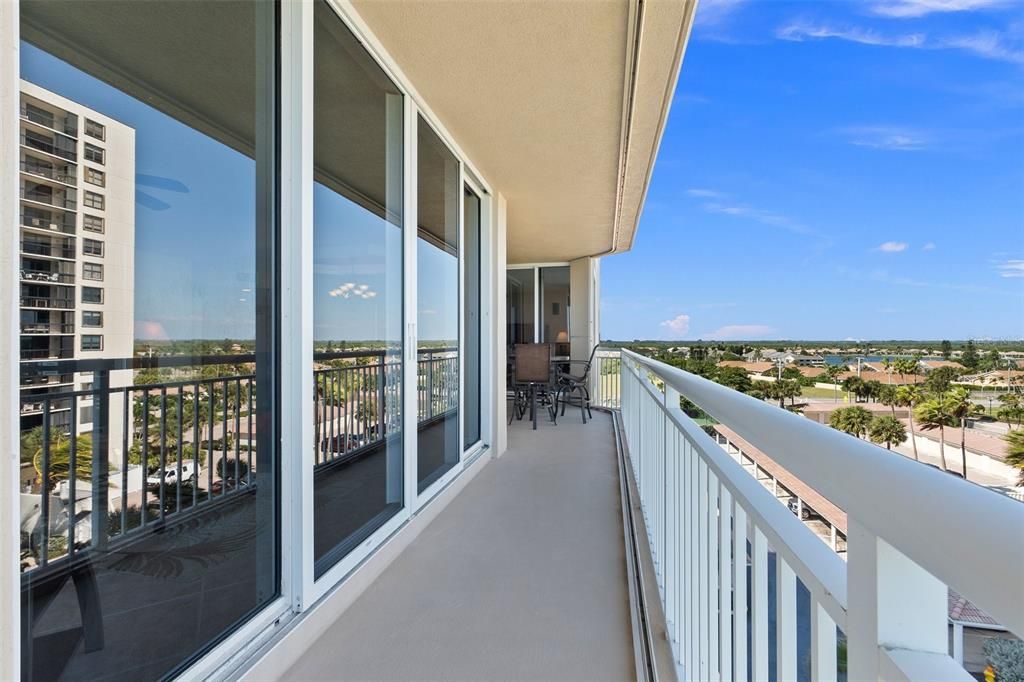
77,251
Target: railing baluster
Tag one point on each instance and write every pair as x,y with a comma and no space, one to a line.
702,567
209,439
197,416
126,427
72,475
785,619
712,560
162,472
180,405
44,501
740,645
759,605
249,436
144,448
693,611
823,645
238,418
725,582
224,441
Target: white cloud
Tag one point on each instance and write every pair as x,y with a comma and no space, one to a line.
760,215
986,44
892,247
798,32
352,289
703,193
885,137
678,326
1011,268
930,246
748,332
909,9
714,12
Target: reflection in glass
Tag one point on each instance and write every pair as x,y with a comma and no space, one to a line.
437,315
357,283
554,307
471,315
149,498
519,313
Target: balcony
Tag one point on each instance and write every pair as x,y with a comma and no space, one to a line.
65,175
47,302
61,200
63,225
47,276
64,248
530,572
522,576
66,124
46,328
47,146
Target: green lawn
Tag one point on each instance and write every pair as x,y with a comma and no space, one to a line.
815,392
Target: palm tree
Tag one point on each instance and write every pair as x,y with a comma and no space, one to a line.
59,460
933,414
1015,452
960,408
832,373
852,420
887,396
909,396
854,385
887,430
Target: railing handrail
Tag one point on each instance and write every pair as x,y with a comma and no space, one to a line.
918,509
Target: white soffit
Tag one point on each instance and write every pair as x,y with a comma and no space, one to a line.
559,103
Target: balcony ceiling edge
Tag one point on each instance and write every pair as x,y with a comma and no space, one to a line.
560,106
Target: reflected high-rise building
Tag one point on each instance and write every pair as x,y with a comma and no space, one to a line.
77,252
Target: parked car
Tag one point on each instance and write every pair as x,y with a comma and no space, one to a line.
189,474
804,511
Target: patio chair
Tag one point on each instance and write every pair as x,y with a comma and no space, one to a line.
576,383
533,380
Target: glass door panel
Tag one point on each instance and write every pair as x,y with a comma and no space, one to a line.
437,315
357,293
150,503
554,308
471,315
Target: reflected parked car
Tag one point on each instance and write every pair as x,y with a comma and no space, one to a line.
170,475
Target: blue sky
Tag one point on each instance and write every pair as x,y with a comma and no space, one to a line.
835,170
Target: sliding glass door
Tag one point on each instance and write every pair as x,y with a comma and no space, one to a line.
150,475
357,293
437,314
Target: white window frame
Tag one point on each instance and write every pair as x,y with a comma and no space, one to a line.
536,289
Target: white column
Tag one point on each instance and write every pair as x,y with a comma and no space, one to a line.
498,305
893,603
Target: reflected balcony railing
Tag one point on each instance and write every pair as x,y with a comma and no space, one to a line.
174,448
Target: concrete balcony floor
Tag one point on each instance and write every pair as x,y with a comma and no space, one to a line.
522,576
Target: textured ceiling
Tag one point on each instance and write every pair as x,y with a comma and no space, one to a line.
538,94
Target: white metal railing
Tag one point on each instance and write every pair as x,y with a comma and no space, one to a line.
712,528
604,378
